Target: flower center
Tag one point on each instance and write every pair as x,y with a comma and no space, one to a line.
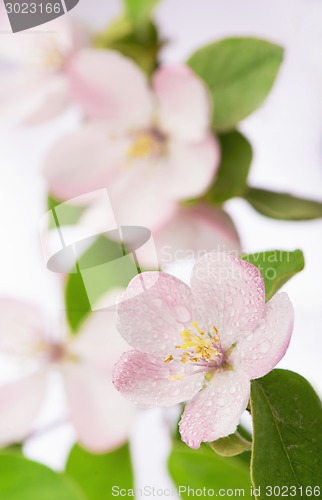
199,348
49,56
147,144
53,60
56,352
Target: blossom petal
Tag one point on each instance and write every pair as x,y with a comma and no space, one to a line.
184,103
191,166
21,327
137,198
144,379
52,99
155,308
229,294
258,352
194,231
98,341
101,416
20,402
30,98
215,412
82,162
110,86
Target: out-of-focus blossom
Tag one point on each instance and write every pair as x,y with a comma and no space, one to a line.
150,146
205,343
192,232
34,83
100,416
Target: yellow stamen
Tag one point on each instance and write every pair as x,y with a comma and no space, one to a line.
179,376
197,327
142,147
197,347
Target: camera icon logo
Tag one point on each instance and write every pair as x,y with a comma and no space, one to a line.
96,248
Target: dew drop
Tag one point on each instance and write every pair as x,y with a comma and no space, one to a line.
264,347
158,303
182,314
175,391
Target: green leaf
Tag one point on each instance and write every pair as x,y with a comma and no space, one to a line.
97,474
136,42
139,11
236,157
239,73
277,267
102,268
22,479
65,215
287,434
231,445
202,468
283,206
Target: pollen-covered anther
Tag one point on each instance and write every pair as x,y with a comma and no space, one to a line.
147,144
197,347
179,376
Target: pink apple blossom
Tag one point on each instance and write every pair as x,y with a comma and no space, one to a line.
100,416
34,83
149,145
192,232
203,343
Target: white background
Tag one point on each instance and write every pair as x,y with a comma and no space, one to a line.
286,134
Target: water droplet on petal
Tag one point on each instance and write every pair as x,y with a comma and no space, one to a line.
264,347
182,314
158,303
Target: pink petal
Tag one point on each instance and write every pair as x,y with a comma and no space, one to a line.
102,417
31,49
98,341
229,294
20,402
52,101
191,166
155,308
83,162
110,86
184,103
137,197
258,352
144,379
31,98
192,232
22,327
215,412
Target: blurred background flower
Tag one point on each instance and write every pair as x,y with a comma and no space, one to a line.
285,134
